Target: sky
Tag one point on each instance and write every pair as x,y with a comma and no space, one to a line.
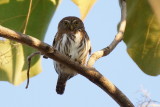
118,67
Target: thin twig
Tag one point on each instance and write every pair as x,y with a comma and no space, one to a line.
29,58
104,52
92,74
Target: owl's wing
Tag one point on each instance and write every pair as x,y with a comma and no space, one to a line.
53,44
90,50
55,40
86,35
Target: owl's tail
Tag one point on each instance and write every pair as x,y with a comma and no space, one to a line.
61,83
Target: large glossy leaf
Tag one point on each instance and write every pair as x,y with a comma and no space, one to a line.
84,6
142,36
155,4
27,16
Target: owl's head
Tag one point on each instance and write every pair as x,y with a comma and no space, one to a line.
70,23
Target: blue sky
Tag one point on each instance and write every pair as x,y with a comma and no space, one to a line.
101,26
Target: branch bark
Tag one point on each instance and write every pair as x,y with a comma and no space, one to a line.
89,72
104,52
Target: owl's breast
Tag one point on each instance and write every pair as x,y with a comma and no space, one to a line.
74,46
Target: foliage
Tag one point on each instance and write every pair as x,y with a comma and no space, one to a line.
142,36
15,15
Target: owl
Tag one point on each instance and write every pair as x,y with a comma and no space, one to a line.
71,40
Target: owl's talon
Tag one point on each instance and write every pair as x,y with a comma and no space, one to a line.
45,57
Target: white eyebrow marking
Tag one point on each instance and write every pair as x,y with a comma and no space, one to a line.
74,21
67,21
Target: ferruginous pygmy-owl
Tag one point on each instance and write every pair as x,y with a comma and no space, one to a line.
71,40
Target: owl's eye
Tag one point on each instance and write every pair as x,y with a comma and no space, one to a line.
76,23
66,23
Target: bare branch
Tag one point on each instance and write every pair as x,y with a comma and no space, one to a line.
146,100
29,64
104,52
92,74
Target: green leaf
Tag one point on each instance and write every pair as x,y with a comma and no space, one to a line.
155,4
32,18
142,36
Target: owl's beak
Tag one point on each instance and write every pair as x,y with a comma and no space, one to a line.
71,27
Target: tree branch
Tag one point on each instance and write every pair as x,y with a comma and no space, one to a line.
91,73
104,52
